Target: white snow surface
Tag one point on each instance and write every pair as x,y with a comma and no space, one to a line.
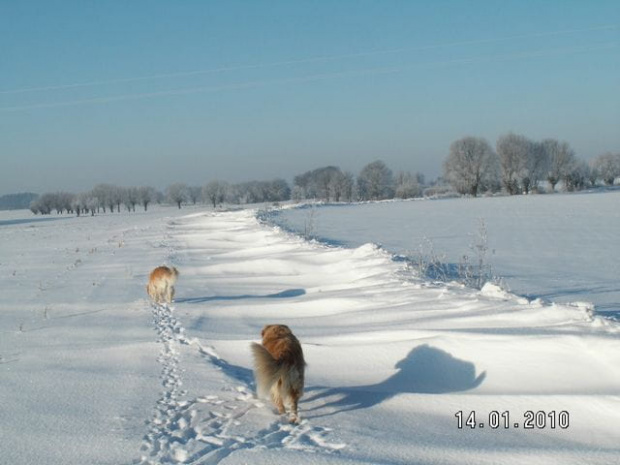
560,247
91,373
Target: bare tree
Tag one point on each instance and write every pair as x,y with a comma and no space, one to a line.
513,151
101,193
318,184
341,187
59,201
608,167
77,204
375,181
593,173
407,185
577,178
471,165
278,190
146,195
131,197
194,193
91,203
115,198
561,160
214,192
177,193
298,193
64,202
537,166
108,195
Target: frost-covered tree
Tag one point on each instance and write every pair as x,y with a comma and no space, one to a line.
194,194
375,182
513,151
341,187
177,193
64,202
214,192
608,167
85,202
59,201
91,203
561,160
278,190
593,174
131,197
146,195
108,195
43,205
248,192
536,168
577,178
319,184
407,185
117,197
471,166
77,204
101,193
298,193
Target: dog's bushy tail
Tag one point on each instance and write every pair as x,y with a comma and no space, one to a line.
267,370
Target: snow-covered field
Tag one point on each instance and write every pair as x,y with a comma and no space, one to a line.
561,248
92,374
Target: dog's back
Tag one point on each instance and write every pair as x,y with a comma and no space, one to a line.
161,284
164,273
279,367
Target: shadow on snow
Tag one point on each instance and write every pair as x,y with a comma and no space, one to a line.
289,293
19,221
425,370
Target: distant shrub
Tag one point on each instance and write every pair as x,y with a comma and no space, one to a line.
472,270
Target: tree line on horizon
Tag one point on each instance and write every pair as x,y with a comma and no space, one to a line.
375,182
518,165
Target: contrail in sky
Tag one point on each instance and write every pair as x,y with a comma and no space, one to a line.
314,77
304,60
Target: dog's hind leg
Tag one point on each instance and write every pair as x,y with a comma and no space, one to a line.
276,396
294,401
165,293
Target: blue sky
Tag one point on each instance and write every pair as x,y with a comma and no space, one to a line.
156,92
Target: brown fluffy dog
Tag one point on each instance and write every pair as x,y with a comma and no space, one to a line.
279,368
161,284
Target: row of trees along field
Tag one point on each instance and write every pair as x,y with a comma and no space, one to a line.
375,182
520,165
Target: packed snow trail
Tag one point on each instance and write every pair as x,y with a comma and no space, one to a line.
389,356
203,429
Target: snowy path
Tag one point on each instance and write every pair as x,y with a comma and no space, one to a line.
391,358
209,428
92,374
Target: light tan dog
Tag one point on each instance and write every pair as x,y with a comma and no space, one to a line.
279,368
161,284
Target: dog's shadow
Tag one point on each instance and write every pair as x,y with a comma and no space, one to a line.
287,294
425,370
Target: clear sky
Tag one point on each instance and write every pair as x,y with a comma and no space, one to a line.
155,92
